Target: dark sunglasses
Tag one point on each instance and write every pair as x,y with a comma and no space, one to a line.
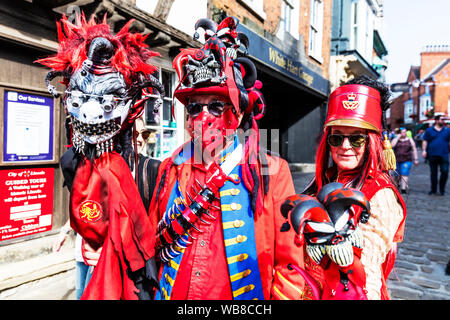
356,140
144,133
216,108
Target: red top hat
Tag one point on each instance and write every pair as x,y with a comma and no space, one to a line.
355,105
216,68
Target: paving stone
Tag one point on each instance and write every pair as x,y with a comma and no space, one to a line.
418,260
437,257
405,294
406,265
427,283
434,296
427,269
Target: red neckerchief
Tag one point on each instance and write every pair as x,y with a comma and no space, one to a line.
343,177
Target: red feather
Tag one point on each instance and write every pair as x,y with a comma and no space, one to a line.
131,55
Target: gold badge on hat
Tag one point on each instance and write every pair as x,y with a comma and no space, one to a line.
351,103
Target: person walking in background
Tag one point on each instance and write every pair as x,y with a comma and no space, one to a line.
408,134
419,138
435,149
405,153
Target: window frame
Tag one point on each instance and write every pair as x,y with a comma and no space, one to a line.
286,7
316,30
354,25
160,128
408,111
256,6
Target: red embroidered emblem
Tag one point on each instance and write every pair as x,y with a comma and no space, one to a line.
351,103
90,211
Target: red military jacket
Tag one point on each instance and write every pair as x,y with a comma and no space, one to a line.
275,249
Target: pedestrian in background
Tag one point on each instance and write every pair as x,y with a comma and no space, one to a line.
405,153
408,133
435,147
419,138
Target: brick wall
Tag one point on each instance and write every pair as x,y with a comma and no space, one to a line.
442,90
272,9
430,59
397,111
398,105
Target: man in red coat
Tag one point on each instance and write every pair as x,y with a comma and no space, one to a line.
217,204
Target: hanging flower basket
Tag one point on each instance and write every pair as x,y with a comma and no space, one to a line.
430,113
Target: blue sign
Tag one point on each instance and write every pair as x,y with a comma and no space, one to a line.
264,51
28,127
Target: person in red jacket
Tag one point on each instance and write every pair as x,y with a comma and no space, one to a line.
217,204
353,158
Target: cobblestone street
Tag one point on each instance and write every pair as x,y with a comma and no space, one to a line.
419,271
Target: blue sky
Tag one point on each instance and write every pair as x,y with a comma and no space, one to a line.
409,25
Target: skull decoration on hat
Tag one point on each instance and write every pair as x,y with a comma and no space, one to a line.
108,79
329,225
219,69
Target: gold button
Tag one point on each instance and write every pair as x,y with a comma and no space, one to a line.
237,223
240,238
241,257
248,288
233,206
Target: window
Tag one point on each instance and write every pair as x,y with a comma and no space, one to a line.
409,109
315,35
286,16
448,107
368,44
166,131
425,106
388,113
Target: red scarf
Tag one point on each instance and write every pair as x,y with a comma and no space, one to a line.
105,211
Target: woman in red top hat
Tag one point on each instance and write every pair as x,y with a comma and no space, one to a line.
352,152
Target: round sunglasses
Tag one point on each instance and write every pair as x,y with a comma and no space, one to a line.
216,108
356,140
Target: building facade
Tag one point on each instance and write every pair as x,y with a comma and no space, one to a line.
289,43
429,90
